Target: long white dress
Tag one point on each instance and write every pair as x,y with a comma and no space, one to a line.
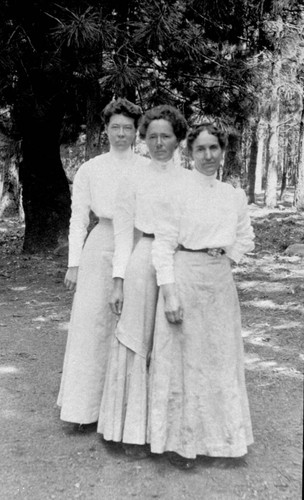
123,414
92,323
198,400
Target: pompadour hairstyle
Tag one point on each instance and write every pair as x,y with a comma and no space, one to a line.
164,112
195,131
122,106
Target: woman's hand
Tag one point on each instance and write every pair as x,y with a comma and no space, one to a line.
70,279
173,308
116,300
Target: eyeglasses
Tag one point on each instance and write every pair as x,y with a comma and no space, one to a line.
125,128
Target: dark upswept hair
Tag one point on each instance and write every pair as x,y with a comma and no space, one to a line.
122,106
164,112
211,129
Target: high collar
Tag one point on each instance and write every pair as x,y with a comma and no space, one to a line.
205,180
163,166
121,155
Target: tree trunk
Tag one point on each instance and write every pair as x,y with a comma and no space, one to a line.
10,189
232,166
261,146
284,160
93,130
299,191
46,194
292,155
95,143
273,142
252,163
272,170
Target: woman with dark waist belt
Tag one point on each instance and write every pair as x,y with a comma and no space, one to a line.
198,403
123,415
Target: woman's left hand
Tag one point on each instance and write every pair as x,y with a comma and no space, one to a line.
116,299
173,307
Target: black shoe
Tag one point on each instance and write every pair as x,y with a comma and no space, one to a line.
85,428
181,462
136,451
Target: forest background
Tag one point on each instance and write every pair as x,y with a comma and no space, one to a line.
238,62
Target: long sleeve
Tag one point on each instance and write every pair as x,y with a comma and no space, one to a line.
244,232
123,221
81,201
166,241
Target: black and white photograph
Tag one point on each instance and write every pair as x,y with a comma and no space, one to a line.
151,249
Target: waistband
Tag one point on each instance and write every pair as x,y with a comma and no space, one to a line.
213,252
148,235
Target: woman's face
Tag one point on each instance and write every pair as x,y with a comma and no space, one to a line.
207,153
161,140
121,132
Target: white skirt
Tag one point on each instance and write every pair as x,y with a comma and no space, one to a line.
198,399
91,329
124,407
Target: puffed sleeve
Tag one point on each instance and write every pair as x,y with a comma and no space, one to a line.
123,221
167,223
244,232
81,202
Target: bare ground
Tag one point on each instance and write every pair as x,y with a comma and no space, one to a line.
43,458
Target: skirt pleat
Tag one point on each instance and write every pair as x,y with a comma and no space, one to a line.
198,399
91,329
124,406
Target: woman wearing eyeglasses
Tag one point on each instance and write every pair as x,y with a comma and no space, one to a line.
89,271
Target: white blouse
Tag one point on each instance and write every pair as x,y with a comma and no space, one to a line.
202,213
137,199
95,188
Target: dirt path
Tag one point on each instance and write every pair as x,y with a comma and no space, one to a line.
42,458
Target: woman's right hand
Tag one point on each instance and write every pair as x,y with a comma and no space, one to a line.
173,307
70,279
116,300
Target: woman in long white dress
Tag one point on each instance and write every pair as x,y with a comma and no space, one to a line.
198,400
123,415
90,266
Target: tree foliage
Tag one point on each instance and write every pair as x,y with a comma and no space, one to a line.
191,52
61,62
276,68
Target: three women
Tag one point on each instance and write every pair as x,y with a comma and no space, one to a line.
190,397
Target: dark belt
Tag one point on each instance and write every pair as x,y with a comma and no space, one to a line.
148,235
213,252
